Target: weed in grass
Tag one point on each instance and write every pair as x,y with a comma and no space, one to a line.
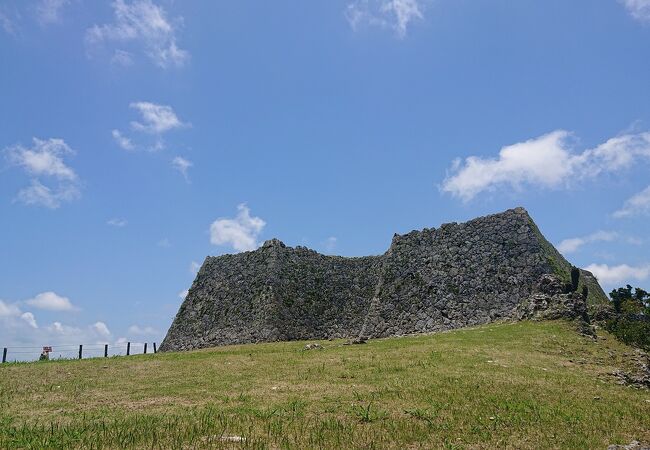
421,414
367,414
264,414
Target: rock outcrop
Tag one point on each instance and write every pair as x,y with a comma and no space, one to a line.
490,268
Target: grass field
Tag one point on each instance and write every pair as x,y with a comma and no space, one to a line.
523,385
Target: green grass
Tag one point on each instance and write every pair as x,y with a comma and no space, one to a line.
523,385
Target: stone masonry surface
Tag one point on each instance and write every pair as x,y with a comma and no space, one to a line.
436,279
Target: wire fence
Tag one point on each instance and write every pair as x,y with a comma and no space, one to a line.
74,351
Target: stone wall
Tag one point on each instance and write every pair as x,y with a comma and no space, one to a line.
275,293
435,279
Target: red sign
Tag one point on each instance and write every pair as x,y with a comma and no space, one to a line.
47,349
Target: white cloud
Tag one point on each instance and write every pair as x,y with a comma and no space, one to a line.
164,243
30,319
182,165
619,274
58,327
143,24
122,58
547,161
51,301
541,161
49,11
241,232
638,204
38,194
573,244
117,222
97,333
101,329
639,9
45,159
9,312
394,14
194,267
142,331
157,118
159,144
6,23
123,141
183,294
404,11
617,153
7,309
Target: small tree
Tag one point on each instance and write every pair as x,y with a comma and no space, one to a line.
630,300
642,297
632,321
575,278
620,296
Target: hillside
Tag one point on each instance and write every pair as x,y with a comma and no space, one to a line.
510,385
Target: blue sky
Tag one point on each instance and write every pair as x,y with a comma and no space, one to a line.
138,137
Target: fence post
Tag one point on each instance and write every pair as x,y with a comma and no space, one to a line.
4,355
128,348
105,350
155,350
80,350
145,348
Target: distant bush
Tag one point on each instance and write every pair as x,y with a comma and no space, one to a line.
631,329
631,324
627,301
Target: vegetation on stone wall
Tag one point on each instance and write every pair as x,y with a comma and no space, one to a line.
562,268
575,278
